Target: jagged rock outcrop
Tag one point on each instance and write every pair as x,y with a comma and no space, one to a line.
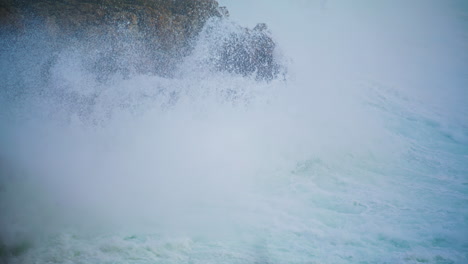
171,23
250,52
152,34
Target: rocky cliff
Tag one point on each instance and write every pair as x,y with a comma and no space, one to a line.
161,31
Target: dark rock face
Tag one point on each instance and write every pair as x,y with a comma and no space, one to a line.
172,23
250,52
159,32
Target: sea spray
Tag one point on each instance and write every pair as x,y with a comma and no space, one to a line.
337,161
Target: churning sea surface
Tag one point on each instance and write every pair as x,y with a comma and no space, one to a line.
358,154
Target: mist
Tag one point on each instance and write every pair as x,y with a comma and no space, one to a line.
357,152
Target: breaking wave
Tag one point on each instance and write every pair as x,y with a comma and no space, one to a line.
357,153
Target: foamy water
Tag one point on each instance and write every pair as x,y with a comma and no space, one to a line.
358,154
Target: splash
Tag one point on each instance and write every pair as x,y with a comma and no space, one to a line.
353,155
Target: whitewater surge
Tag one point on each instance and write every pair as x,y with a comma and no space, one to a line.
358,153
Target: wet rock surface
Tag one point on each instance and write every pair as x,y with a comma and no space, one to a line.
151,35
250,52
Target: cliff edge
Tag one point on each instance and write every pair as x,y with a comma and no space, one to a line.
163,32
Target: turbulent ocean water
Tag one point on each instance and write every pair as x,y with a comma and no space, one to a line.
358,154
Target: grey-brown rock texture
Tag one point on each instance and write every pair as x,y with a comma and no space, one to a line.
161,32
